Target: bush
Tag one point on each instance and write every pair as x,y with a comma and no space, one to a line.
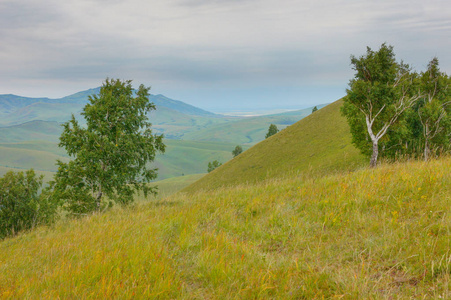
21,207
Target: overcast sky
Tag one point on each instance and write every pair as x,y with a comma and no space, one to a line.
219,55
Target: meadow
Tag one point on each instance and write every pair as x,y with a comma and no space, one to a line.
369,234
319,143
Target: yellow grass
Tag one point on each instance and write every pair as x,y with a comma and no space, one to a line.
377,234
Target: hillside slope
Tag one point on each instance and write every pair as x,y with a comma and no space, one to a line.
318,143
369,234
249,130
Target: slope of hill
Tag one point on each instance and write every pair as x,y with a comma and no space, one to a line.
181,157
317,143
369,234
31,131
249,130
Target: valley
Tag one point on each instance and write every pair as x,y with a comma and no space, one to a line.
31,127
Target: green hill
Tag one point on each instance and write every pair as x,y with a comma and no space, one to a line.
180,158
249,130
318,143
369,234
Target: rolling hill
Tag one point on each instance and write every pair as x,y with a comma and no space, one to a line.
369,234
318,143
249,130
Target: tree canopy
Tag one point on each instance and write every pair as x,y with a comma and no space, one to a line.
237,151
380,92
272,130
111,155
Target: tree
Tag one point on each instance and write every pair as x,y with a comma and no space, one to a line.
213,165
272,130
237,151
314,109
381,90
434,109
111,154
21,207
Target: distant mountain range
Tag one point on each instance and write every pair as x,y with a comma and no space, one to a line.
23,119
17,110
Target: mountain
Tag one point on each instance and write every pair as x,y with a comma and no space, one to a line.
318,143
16,109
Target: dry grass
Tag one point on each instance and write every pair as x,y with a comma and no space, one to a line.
377,234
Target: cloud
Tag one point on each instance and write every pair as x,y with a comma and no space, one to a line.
57,47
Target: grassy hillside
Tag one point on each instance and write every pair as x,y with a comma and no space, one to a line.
190,157
26,159
370,234
181,157
31,131
170,186
318,143
249,130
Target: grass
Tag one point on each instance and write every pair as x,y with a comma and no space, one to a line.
170,186
181,157
369,234
246,131
25,159
319,143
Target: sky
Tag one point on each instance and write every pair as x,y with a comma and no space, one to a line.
219,55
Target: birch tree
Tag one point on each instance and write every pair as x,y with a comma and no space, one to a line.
434,109
380,92
111,153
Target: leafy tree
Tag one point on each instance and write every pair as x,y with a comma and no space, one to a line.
434,110
111,154
272,130
213,165
20,205
314,109
237,151
380,92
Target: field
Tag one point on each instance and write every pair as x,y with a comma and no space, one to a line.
319,143
374,233
181,157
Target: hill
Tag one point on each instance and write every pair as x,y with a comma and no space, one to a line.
15,110
369,234
249,130
318,143
181,157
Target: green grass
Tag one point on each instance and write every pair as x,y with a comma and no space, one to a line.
170,186
181,157
369,234
246,131
319,143
27,159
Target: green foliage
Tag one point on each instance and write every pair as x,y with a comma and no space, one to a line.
272,130
433,113
380,92
21,207
213,165
111,154
396,111
314,109
237,151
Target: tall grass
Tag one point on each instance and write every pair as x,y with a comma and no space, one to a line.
378,234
